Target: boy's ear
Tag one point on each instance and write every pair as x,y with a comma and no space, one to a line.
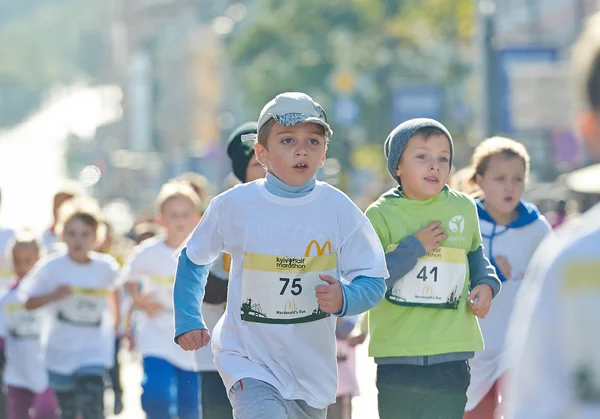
160,221
260,152
323,157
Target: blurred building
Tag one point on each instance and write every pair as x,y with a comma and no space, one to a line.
526,77
168,55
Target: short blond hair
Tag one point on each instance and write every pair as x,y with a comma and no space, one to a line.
497,146
175,189
83,208
23,238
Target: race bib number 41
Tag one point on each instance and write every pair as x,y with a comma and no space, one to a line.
436,281
281,290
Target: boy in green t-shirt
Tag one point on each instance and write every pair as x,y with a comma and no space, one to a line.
425,330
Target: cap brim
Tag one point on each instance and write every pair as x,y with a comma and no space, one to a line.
301,119
586,180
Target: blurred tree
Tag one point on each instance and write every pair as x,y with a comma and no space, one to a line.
48,42
358,47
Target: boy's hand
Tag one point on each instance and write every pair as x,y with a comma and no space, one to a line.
330,296
481,296
61,292
194,339
147,303
504,266
357,340
431,236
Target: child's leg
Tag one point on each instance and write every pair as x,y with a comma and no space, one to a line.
487,406
64,386
215,403
90,395
115,371
255,399
46,405
425,392
156,388
342,409
67,401
188,394
18,402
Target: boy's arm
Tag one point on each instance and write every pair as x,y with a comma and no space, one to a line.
188,293
362,259
193,265
403,259
481,271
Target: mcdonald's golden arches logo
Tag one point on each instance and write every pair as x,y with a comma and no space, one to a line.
290,305
427,290
320,250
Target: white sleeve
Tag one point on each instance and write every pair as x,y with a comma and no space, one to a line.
360,253
135,268
38,282
206,242
540,385
113,279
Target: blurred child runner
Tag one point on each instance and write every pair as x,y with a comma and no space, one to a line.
512,229
426,329
75,286
148,277
25,375
6,236
215,403
555,326
291,239
51,239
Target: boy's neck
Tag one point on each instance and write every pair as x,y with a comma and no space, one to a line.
279,188
173,241
80,259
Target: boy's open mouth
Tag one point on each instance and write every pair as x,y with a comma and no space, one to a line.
300,167
431,179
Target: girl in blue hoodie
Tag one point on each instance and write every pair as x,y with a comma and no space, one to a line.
511,229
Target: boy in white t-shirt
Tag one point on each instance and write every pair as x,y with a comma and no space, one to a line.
149,280
76,288
292,239
25,374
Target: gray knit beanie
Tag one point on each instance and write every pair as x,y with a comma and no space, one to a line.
398,138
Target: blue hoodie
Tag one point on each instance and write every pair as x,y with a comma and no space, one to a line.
517,242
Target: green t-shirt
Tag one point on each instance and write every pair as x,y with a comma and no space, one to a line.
426,313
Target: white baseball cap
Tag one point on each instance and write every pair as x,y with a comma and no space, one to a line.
292,108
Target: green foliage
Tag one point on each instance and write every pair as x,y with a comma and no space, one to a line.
302,44
47,42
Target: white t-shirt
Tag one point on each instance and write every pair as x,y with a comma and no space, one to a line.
298,359
21,332
153,266
6,272
79,328
555,332
52,243
518,246
211,313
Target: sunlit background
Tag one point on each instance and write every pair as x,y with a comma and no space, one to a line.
121,95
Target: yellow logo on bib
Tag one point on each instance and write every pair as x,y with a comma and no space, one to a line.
427,290
289,305
320,250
